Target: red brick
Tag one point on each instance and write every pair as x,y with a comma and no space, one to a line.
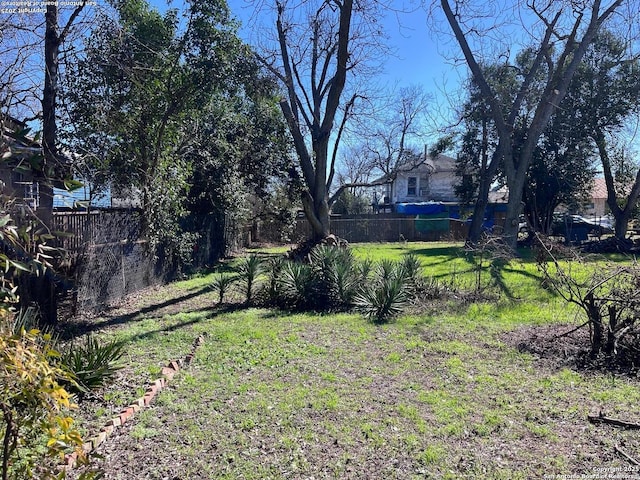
99,439
126,414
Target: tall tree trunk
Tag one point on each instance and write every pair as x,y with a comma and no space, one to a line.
51,52
621,215
479,210
487,174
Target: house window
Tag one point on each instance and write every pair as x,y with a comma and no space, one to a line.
424,186
412,186
31,194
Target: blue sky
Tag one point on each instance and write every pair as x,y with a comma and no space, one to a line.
418,58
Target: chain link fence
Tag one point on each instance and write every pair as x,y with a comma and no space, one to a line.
107,258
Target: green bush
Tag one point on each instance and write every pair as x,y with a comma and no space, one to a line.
333,279
384,299
92,364
221,284
296,285
335,276
249,271
387,295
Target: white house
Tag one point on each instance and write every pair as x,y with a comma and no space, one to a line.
432,180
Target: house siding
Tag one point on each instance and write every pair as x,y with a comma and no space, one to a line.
435,181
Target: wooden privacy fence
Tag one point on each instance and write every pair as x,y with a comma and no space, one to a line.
393,228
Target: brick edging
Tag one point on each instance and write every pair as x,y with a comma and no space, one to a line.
167,372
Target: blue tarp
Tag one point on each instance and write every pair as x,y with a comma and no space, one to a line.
433,215
424,208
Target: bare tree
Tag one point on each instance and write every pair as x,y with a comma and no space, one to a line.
566,31
319,44
391,139
20,68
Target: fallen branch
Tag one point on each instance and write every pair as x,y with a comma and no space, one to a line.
572,330
612,421
628,457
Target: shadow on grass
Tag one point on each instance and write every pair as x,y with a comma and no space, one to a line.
75,329
202,314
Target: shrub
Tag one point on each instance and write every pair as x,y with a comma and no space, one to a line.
297,285
249,271
383,300
411,270
91,365
608,297
33,404
221,284
335,276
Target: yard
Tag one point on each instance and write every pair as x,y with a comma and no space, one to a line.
452,389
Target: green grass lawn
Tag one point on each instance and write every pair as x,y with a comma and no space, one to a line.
442,392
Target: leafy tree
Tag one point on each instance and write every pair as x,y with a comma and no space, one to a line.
350,204
561,172
607,92
137,94
476,164
240,154
565,34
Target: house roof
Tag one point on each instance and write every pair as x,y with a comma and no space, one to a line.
442,163
599,189
14,138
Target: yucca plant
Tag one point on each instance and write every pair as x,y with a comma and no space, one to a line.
387,269
222,283
364,269
249,271
383,300
274,269
297,284
334,269
91,364
347,282
411,270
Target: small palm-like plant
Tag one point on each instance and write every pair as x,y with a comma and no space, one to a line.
91,364
274,270
347,282
386,269
249,271
364,269
222,284
335,272
410,269
297,284
383,300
